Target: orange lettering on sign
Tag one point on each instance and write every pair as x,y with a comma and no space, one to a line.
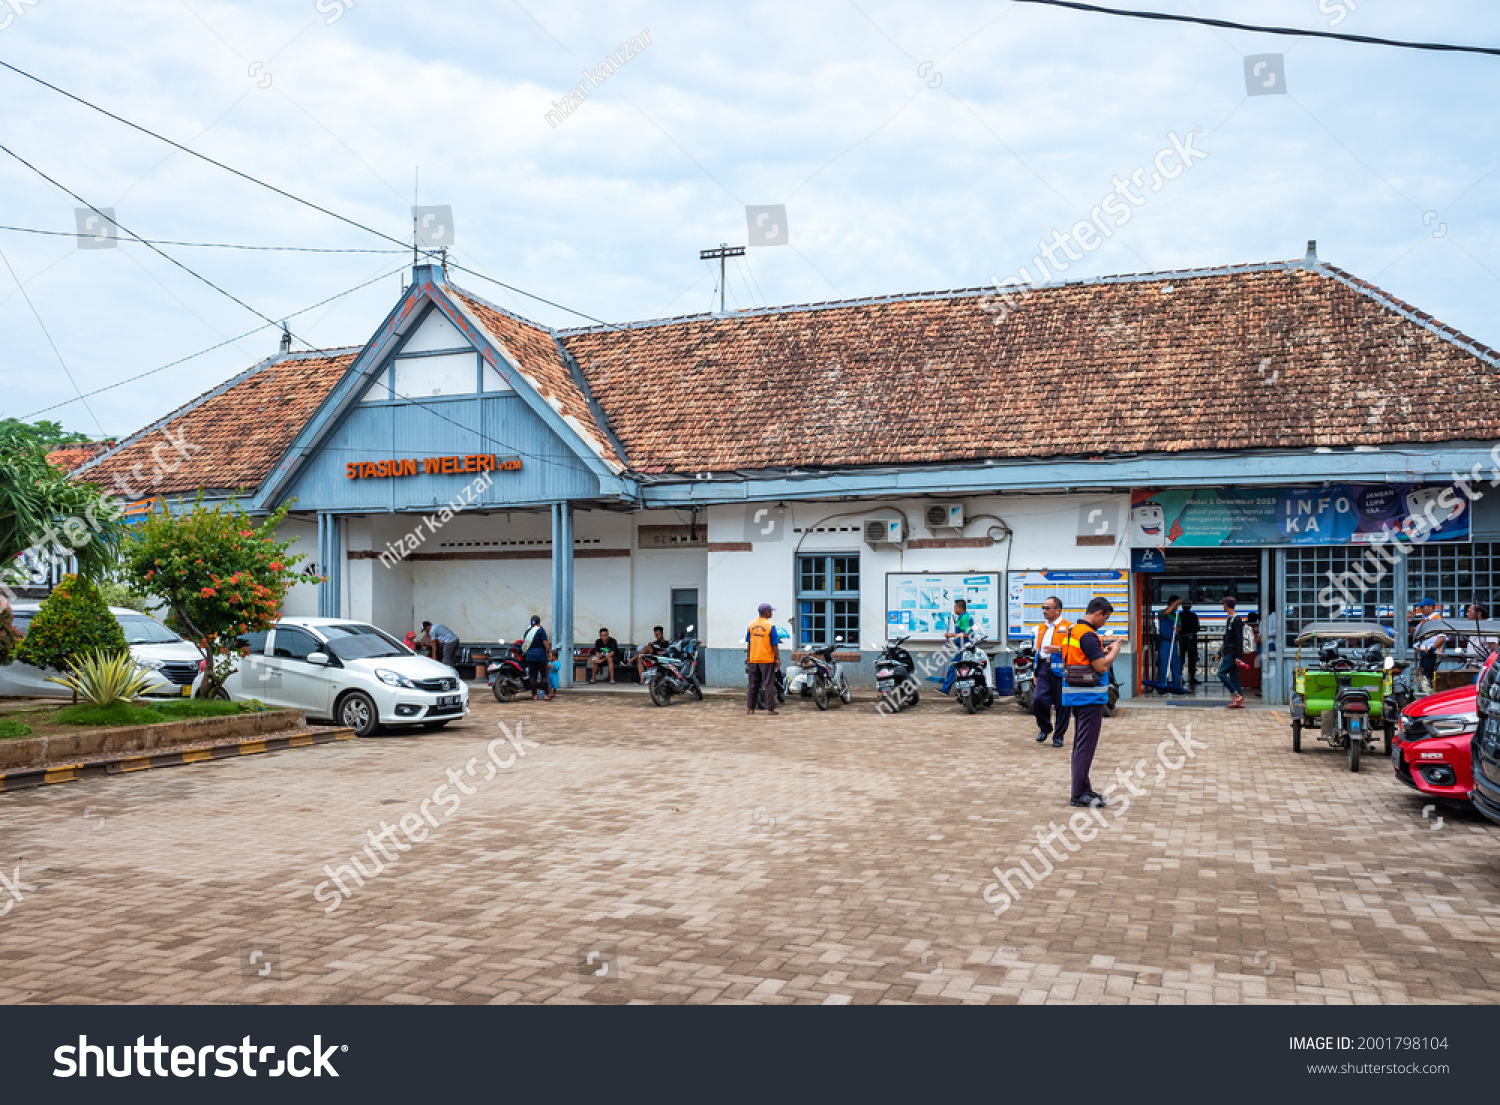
412,466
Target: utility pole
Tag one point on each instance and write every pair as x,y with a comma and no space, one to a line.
724,250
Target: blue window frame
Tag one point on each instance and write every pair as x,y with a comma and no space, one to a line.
828,599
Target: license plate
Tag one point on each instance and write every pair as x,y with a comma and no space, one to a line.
187,691
885,684
965,684
1396,755
447,700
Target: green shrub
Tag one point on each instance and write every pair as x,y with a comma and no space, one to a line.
73,620
12,728
179,709
121,713
104,678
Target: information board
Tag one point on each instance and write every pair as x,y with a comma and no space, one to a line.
920,605
1028,589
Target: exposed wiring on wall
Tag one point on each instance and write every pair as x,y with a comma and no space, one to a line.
905,521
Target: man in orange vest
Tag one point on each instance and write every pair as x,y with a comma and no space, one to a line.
1049,636
762,658
1081,649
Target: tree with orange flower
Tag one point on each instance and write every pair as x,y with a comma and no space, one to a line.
221,574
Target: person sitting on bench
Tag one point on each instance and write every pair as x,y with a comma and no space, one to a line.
653,648
606,648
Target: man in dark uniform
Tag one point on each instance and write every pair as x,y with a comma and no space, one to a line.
1187,640
1082,646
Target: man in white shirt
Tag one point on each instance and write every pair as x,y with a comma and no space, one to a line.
1048,696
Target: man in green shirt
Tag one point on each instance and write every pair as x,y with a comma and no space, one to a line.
955,638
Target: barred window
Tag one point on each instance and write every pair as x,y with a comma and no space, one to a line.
827,600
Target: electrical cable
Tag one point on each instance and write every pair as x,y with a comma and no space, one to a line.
211,348
48,335
120,226
1298,32
279,191
205,245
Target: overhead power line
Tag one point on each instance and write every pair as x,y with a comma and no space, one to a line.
279,191
1296,31
204,245
211,348
120,226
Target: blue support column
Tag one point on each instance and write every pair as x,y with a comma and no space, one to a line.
562,590
336,566
322,564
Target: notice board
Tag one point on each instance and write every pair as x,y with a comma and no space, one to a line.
1028,589
919,605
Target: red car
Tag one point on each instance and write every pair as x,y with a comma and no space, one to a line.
1431,749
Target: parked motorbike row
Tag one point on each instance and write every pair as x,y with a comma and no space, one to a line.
672,671
817,675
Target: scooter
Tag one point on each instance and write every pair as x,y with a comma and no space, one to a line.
895,681
1025,668
507,674
971,676
824,676
674,670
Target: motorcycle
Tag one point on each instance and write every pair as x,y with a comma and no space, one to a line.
971,676
895,681
823,676
1024,666
674,670
507,674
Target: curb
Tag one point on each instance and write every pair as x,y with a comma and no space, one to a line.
121,765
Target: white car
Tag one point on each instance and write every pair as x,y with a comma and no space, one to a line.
169,662
349,672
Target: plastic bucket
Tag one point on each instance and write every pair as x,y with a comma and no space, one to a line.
1005,681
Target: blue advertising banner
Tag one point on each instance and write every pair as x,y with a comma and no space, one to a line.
1340,514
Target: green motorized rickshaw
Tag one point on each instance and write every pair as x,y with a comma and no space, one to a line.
1344,693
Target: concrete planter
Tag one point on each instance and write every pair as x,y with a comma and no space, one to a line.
34,751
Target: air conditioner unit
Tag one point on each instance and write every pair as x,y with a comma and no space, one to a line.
880,531
945,517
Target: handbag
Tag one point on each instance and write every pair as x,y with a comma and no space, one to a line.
1080,675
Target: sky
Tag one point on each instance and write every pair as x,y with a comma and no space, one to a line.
913,147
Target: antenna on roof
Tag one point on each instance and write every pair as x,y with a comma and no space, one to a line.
286,338
724,250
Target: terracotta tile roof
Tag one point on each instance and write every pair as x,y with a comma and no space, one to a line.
1165,362
240,429
69,457
536,353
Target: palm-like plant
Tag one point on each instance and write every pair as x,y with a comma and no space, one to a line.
34,496
104,678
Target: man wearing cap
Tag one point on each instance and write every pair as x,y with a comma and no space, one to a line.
762,658
1429,649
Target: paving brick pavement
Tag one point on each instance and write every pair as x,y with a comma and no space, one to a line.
709,857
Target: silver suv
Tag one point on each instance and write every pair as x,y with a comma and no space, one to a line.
168,661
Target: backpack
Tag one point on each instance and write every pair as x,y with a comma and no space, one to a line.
1247,638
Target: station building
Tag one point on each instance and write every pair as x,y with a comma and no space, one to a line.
1251,429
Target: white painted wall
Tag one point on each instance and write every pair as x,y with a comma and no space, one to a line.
1045,529
489,599
302,599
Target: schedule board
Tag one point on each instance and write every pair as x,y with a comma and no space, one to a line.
920,605
1028,589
